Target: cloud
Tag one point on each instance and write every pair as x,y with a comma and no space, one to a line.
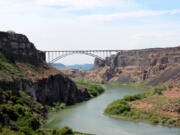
109,17
71,3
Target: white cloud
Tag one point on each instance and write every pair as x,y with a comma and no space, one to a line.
71,3
109,17
53,29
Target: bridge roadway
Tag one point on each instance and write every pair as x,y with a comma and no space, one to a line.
53,56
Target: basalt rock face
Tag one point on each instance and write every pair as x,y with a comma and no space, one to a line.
56,88
17,47
146,57
151,66
52,86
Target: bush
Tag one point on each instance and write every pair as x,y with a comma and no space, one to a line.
63,131
40,132
29,122
9,110
133,98
170,86
26,130
158,90
117,107
164,119
14,99
6,131
154,119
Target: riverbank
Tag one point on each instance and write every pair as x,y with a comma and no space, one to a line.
157,106
88,117
20,115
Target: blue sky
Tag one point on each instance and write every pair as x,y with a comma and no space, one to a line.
93,24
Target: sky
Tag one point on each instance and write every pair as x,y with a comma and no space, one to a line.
93,24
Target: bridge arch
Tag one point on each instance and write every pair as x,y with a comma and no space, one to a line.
65,55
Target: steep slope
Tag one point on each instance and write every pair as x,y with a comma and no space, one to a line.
23,67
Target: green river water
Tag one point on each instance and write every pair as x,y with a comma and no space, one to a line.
88,117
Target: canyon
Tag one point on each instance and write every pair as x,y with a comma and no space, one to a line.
154,66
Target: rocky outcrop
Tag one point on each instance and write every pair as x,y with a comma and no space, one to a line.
151,66
18,48
23,57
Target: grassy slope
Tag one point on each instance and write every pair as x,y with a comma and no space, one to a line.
10,70
149,107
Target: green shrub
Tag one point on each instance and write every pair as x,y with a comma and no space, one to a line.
6,131
158,90
171,122
133,98
26,130
29,122
164,119
170,86
9,110
117,107
63,131
19,109
154,119
14,99
40,132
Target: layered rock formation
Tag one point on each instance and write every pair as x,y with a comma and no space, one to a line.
152,66
23,67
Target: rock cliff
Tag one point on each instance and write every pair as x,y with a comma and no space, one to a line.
18,48
23,67
151,66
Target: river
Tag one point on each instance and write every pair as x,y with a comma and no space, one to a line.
88,117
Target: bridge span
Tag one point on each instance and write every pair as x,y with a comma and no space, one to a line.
53,56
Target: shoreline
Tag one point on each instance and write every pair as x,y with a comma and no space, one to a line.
138,121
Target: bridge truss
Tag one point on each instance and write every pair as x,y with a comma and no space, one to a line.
54,56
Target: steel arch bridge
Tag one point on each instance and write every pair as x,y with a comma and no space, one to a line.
53,56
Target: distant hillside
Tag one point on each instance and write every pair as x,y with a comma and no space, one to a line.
81,67
59,66
78,66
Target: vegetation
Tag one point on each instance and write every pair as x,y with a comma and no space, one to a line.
123,108
93,89
55,107
20,115
8,69
134,85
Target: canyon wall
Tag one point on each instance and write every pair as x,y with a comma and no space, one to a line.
23,67
151,66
